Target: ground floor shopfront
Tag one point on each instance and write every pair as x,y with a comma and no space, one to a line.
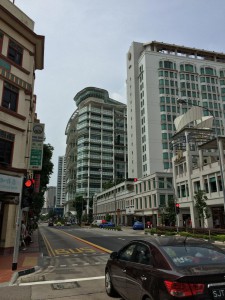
10,189
184,219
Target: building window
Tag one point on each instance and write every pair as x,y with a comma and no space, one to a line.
10,96
183,191
189,68
219,183
197,186
212,182
1,41
6,147
161,183
15,52
162,200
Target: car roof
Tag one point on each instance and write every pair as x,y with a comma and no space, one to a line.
173,241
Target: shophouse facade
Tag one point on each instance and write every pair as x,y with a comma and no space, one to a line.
21,54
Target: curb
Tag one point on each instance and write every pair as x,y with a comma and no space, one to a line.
18,274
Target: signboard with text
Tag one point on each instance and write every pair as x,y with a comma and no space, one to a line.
36,153
10,184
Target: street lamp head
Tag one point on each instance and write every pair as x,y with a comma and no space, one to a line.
181,101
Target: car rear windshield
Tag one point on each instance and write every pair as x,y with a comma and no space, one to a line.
182,256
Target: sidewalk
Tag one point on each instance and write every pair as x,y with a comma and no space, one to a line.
27,262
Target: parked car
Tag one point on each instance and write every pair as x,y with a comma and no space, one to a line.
138,225
50,223
107,224
68,223
166,268
98,222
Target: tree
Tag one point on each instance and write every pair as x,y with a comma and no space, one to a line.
201,206
79,207
171,214
107,185
108,217
45,173
90,216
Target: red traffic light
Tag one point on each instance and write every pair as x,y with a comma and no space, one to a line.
135,179
177,205
29,182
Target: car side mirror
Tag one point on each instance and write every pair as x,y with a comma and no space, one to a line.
114,255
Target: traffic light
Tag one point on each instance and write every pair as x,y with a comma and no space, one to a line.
177,208
27,193
135,179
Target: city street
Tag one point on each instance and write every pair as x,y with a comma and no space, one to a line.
73,264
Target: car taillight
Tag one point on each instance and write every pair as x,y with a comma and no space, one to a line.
180,289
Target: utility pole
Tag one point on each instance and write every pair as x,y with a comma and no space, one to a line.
18,229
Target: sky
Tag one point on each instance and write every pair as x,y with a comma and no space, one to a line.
86,43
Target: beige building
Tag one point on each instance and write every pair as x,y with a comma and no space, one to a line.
142,200
21,53
198,163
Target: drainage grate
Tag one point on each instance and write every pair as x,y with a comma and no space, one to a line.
66,285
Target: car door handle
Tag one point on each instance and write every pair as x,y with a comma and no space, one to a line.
124,270
143,278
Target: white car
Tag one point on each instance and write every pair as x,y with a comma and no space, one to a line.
96,222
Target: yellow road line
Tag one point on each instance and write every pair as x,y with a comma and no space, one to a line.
48,246
86,242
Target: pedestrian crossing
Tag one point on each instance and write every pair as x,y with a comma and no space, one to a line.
68,261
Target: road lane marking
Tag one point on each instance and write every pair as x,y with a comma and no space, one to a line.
86,242
48,246
66,252
61,281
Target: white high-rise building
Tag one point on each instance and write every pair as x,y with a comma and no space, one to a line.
96,151
61,181
157,75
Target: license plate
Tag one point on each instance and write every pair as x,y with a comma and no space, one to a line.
218,293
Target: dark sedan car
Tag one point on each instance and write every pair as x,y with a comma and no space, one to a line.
166,268
107,224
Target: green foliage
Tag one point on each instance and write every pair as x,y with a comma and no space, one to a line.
108,217
171,211
79,206
47,170
90,216
220,237
47,167
109,184
200,204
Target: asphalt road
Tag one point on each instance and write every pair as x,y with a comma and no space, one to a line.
72,266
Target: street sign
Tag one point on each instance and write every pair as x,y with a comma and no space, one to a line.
36,153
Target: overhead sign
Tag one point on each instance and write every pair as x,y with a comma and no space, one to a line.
36,153
10,184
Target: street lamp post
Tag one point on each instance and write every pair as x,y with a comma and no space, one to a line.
115,204
181,101
100,170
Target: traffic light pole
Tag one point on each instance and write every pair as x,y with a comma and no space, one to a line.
18,230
